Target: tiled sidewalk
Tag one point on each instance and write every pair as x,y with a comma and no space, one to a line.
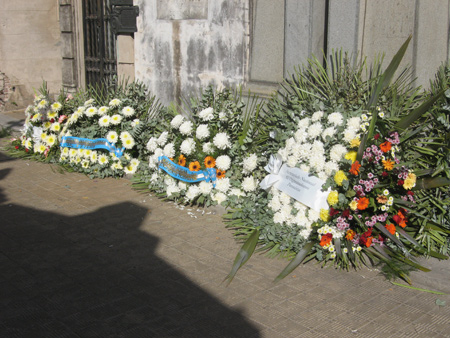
93,258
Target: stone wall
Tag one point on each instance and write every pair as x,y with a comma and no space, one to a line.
184,45
30,50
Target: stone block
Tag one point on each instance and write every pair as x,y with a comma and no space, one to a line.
65,18
69,72
125,49
126,71
67,47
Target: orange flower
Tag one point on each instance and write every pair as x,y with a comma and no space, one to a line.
363,203
390,228
385,146
220,173
350,234
326,239
194,166
210,162
355,168
369,241
388,164
182,160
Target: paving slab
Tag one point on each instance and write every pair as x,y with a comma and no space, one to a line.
93,258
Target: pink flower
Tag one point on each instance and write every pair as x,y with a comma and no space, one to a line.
62,118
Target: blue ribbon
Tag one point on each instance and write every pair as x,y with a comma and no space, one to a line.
184,174
85,143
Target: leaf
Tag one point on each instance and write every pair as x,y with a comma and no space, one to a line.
418,289
431,183
296,261
243,255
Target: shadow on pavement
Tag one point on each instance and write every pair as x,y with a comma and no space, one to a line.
97,275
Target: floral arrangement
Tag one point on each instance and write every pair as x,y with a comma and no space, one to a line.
211,137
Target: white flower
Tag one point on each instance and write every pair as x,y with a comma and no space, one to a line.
275,203
55,127
223,162
330,167
162,139
187,146
169,150
317,116
207,114
152,162
94,157
186,128
177,121
335,118
303,123
315,130
222,141
135,162
292,161
237,192
102,110
192,192
50,140
116,119
285,198
202,131
349,134
127,111
115,103
129,169
91,111
301,135
124,135
222,116
354,123
205,187
208,148
154,177
337,152
152,144
87,153
89,102
55,106
128,143
250,163
249,184
219,197
112,136
182,185
223,185
172,189
330,131
85,164
135,123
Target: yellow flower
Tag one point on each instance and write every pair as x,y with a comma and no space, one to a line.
339,177
355,143
351,155
324,215
353,205
333,197
410,181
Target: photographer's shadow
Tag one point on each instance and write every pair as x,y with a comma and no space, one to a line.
97,275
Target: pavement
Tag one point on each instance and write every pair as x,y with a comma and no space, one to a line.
93,258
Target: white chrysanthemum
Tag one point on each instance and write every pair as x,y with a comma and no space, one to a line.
127,111
186,128
275,203
223,162
81,152
182,185
152,144
89,102
46,125
192,192
116,166
43,136
169,150
349,134
104,121
128,143
206,114
335,118
279,218
172,189
127,156
205,187
237,192
73,152
36,117
305,167
154,177
129,169
94,157
80,111
116,119
208,148
317,116
152,162
125,136
249,184
187,146
313,215
115,103
337,152
202,131
223,116
250,163
162,139
330,167
286,211
354,123
90,112
177,121
55,127
317,161
301,135
285,199
222,141
303,123
292,161
102,110
65,151
328,132
51,114
159,152
223,184
135,122
219,197
87,153
85,164
56,106
50,140
112,136
42,104
135,162
284,153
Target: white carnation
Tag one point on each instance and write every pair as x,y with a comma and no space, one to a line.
223,184
177,121
187,146
169,150
250,163
186,128
284,198
222,141
249,184
223,162
202,131
207,114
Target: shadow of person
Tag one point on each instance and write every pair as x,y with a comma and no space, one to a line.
3,173
97,275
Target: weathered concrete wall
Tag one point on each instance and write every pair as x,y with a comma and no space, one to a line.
201,43
30,48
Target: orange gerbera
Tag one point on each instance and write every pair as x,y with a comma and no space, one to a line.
182,160
354,170
385,146
220,173
363,203
390,228
194,166
388,164
326,239
350,234
369,241
210,162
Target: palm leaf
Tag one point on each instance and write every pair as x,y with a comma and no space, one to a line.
296,261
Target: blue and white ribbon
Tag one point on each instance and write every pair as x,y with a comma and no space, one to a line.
184,174
85,143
